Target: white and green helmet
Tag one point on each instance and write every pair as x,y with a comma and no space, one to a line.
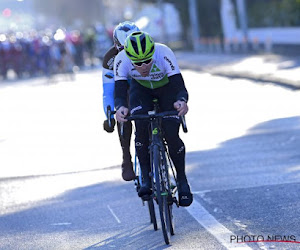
139,46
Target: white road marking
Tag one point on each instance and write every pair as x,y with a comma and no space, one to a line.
61,224
112,212
221,233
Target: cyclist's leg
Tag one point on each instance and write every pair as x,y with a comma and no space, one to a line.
141,103
177,153
127,166
175,144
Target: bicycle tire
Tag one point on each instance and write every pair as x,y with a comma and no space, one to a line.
150,203
169,203
160,195
171,224
152,214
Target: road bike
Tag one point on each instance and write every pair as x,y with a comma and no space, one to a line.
163,181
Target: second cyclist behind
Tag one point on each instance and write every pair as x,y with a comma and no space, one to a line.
119,35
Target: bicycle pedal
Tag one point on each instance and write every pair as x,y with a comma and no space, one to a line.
175,201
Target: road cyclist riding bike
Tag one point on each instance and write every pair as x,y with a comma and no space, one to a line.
155,74
119,35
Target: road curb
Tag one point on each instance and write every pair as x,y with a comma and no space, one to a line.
265,78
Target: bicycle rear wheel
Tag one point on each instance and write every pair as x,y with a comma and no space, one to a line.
152,214
150,203
161,195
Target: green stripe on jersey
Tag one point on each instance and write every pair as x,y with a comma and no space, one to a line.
154,84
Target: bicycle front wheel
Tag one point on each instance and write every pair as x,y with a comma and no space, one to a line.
170,201
161,195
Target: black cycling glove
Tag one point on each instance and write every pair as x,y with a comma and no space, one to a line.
107,128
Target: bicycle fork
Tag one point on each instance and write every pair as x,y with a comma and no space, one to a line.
167,189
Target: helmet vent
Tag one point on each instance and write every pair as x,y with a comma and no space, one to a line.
134,44
143,43
151,51
125,28
136,33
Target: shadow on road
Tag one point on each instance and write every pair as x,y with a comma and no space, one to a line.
81,219
251,184
267,154
239,170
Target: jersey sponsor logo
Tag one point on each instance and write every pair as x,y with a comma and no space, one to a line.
117,67
155,68
156,76
110,63
169,61
109,75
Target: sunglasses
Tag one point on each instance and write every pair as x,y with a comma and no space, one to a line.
139,64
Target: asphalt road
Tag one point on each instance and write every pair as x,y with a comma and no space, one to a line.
60,184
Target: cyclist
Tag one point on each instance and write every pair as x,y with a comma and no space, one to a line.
155,74
119,35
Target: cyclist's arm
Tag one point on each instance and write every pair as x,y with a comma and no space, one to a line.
178,83
121,100
108,81
108,89
173,72
121,93
121,71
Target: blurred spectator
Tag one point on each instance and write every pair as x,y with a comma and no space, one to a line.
77,40
90,44
33,53
5,55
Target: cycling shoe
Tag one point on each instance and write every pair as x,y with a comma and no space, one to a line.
144,191
127,171
184,194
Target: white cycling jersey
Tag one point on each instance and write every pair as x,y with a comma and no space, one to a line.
164,65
